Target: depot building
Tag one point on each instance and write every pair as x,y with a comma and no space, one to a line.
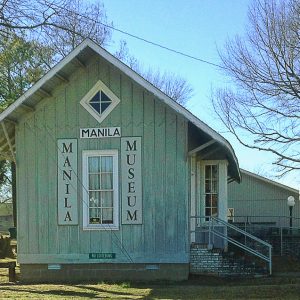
110,173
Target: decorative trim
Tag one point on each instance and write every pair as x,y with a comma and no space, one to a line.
98,87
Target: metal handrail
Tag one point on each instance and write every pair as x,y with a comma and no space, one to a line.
244,247
279,220
237,243
240,231
211,230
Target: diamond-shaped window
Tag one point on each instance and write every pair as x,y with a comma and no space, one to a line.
99,101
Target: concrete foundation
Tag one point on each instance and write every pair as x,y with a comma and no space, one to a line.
38,273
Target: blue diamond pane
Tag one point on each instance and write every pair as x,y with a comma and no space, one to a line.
96,107
104,106
96,98
104,98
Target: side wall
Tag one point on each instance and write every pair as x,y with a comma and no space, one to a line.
163,237
255,197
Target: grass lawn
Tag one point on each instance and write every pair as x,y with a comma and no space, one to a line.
196,288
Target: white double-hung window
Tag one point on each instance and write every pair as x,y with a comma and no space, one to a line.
100,189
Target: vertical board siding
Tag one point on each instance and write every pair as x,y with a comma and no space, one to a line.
148,174
170,209
31,185
22,206
159,171
164,232
137,112
42,181
181,186
255,197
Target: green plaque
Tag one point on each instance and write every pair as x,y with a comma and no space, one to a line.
102,255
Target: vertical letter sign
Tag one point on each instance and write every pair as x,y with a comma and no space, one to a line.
131,160
67,182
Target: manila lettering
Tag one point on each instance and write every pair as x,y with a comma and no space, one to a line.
67,182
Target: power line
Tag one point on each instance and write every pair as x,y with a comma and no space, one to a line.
161,46
143,39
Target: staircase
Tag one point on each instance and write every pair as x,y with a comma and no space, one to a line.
227,250
218,262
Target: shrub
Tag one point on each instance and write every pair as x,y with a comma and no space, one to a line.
5,247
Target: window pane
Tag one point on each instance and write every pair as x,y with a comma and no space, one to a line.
95,213
107,199
207,211
214,186
96,107
104,98
207,172
207,201
107,181
94,182
94,164
207,186
214,212
107,216
106,164
214,200
104,106
96,98
214,172
94,199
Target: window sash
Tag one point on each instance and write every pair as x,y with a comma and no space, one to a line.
100,193
211,190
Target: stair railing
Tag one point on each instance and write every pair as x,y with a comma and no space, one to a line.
212,222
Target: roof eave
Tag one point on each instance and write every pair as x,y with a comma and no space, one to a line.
137,78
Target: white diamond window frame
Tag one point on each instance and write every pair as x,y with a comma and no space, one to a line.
98,87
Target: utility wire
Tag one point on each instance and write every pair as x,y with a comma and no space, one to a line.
143,39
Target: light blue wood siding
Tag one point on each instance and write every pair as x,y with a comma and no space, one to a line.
257,197
163,236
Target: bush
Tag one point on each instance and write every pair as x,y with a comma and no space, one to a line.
5,247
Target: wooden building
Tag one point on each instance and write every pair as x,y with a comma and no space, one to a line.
110,173
261,200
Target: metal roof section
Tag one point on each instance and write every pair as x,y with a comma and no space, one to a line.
60,73
269,181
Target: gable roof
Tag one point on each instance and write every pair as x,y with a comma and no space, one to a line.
269,181
60,72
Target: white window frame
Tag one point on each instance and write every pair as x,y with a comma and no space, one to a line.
85,179
99,86
222,187
211,193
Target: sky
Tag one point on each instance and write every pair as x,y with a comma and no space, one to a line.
198,28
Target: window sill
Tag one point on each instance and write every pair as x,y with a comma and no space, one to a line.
101,227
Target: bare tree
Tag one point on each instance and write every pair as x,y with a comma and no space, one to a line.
80,20
263,108
28,14
173,85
